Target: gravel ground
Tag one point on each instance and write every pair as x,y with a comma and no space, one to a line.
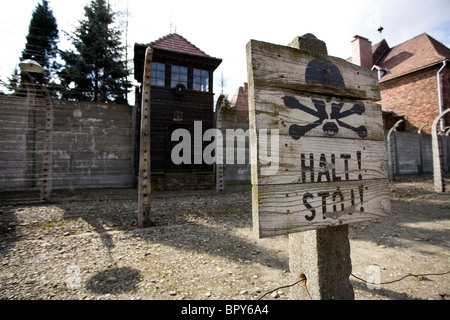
87,245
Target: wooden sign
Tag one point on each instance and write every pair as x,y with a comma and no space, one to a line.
329,167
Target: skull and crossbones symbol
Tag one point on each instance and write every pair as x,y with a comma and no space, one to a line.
329,127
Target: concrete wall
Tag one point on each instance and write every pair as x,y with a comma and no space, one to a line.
92,143
409,154
407,149
15,140
236,173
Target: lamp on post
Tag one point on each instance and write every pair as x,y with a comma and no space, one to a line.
30,66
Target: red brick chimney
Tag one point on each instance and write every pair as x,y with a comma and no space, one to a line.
362,52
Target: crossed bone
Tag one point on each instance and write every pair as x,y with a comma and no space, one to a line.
330,128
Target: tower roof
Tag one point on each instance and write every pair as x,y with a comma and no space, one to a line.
176,44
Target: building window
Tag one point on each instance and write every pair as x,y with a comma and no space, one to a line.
158,74
179,75
201,80
178,115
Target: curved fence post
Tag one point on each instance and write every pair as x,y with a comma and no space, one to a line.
439,183
391,160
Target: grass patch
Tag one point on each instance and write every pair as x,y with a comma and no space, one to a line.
208,212
53,224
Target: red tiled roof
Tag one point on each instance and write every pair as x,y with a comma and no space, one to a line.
173,43
176,43
414,54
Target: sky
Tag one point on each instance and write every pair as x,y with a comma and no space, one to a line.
222,29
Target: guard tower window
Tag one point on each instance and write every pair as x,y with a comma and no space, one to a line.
158,74
201,80
179,75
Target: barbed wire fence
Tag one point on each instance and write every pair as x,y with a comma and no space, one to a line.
91,143
303,281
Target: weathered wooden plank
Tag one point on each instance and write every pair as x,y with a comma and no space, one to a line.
289,208
317,159
317,143
144,206
47,156
313,116
281,67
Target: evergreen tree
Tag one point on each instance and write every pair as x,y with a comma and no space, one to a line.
42,41
13,85
96,71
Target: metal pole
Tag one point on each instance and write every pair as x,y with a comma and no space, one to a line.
444,63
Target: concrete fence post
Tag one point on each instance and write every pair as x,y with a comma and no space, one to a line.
392,162
420,165
438,174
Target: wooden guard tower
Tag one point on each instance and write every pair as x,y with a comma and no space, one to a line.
181,93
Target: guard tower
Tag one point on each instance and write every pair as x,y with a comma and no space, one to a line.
181,93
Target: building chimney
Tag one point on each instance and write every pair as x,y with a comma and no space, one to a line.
362,52
246,87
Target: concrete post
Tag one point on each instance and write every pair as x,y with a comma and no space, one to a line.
439,183
323,255
391,168
47,176
419,133
219,147
448,148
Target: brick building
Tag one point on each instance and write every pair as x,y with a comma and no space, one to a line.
414,79
239,102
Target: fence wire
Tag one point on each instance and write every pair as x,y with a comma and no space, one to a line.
303,281
93,144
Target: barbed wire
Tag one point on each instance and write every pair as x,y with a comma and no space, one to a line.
404,277
303,279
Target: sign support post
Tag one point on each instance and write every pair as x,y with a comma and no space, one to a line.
330,167
323,255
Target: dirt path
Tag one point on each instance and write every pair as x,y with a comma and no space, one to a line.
87,246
